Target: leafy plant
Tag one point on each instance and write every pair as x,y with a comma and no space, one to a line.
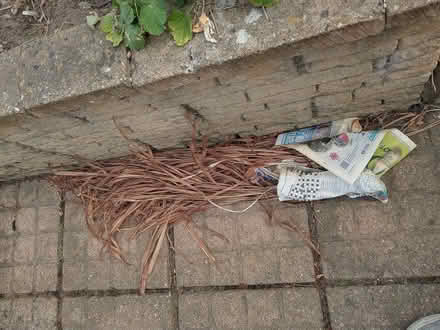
132,20
264,3
181,27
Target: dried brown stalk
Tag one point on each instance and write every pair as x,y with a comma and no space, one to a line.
151,191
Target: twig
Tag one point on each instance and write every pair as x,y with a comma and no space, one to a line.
265,13
213,20
432,125
5,8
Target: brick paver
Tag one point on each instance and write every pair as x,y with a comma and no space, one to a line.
380,262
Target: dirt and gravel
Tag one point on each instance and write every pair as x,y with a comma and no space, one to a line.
23,20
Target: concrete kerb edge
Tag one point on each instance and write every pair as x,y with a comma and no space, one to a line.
161,59
78,61
52,78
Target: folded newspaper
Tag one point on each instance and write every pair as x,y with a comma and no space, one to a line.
326,130
392,149
295,184
346,155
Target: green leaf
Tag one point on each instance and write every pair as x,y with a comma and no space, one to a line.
115,37
180,3
117,3
153,16
106,24
264,3
181,27
127,14
92,20
133,37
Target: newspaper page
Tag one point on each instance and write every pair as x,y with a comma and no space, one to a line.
298,185
394,147
320,131
346,155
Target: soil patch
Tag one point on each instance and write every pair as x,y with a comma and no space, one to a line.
24,20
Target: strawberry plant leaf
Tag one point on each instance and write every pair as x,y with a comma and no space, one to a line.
127,14
264,3
153,16
106,24
181,27
115,37
133,37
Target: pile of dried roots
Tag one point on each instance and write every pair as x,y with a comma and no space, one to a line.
151,191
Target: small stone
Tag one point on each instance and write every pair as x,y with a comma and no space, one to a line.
84,5
242,36
253,16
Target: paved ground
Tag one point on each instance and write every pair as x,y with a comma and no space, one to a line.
378,265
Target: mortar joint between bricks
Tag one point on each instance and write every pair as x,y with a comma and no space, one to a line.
60,261
172,275
317,265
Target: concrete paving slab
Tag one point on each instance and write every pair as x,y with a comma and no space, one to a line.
123,312
382,307
297,308
248,250
7,218
360,241
28,313
37,193
86,267
8,195
366,239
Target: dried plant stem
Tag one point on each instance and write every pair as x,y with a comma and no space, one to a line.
147,192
